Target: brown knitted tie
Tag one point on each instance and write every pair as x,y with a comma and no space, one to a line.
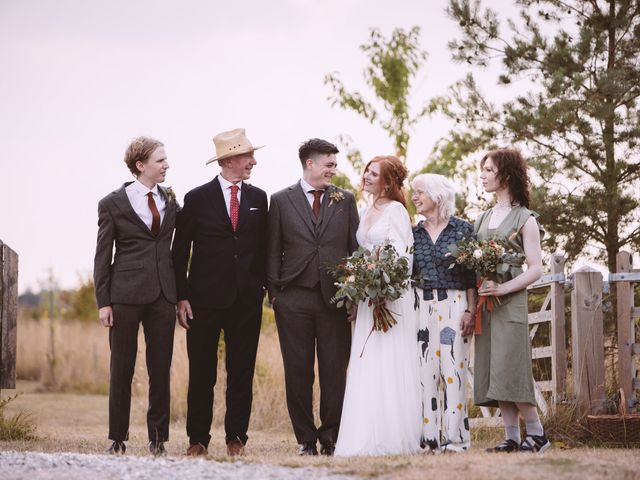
316,202
155,222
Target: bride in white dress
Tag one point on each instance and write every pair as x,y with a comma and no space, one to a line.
382,411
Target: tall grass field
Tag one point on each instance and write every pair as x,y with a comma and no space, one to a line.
72,356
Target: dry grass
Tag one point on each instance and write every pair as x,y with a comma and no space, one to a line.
72,422
69,421
15,426
81,365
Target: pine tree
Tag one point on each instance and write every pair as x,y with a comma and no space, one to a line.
574,68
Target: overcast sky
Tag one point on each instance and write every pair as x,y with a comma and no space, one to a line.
81,78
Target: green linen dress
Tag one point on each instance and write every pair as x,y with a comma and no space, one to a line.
502,366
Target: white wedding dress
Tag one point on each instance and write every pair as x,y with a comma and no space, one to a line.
382,411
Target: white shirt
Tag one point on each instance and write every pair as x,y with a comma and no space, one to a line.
306,188
226,192
138,199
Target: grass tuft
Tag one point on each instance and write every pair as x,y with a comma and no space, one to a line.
19,426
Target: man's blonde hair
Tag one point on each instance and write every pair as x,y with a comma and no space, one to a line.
139,150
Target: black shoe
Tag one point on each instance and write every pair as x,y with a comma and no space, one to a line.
308,448
535,444
117,448
507,446
327,448
157,449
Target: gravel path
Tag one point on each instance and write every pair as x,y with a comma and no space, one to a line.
75,466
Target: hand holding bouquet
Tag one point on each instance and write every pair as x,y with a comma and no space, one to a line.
379,275
491,259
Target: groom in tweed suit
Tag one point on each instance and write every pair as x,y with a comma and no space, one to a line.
311,226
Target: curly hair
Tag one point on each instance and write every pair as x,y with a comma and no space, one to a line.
511,173
139,150
392,176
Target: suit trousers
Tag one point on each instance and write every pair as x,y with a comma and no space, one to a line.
158,321
241,326
305,322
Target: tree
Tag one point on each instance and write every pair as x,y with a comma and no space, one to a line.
392,65
577,120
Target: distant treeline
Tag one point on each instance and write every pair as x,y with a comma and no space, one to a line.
76,304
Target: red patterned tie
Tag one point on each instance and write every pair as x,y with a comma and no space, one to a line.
235,206
155,214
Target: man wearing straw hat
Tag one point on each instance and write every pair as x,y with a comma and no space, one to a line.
223,227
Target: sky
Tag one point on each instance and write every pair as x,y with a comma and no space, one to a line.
81,78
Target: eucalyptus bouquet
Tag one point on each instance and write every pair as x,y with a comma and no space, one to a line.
378,276
491,259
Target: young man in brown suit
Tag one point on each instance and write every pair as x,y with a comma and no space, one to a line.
312,225
137,285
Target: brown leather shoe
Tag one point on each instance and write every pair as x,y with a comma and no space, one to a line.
235,448
196,450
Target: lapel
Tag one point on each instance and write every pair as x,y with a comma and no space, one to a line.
326,211
216,197
169,210
301,205
243,213
122,202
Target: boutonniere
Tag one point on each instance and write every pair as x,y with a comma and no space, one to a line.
335,196
171,194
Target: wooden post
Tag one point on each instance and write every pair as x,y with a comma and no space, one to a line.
8,315
626,330
588,340
558,338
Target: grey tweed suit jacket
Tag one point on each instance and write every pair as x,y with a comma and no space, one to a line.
301,247
141,267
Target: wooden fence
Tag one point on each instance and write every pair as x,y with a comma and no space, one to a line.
587,336
8,315
624,279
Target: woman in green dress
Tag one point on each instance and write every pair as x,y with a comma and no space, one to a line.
503,373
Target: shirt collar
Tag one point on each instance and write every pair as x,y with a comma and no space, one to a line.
226,184
306,188
451,222
143,189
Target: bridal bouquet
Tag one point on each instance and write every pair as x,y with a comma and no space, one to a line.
379,275
491,259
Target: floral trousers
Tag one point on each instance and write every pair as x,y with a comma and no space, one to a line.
444,361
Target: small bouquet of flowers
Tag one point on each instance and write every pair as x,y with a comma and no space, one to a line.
491,259
379,275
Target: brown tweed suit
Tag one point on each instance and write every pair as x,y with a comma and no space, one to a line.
300,248
138,282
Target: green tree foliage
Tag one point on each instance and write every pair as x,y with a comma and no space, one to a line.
82,303
75,304
392,66
574,68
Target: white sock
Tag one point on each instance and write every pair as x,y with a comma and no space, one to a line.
534,428
513,433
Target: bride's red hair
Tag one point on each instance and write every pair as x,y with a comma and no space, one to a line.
392,176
